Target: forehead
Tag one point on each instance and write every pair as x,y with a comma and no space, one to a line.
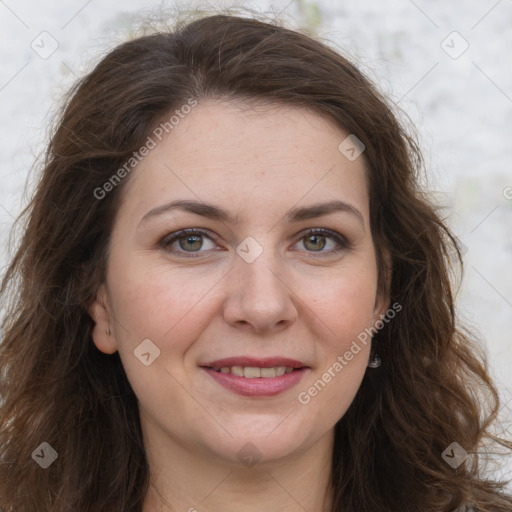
241,156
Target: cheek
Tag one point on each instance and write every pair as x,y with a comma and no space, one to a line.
150,301
346,304
169,308
173,307
346,307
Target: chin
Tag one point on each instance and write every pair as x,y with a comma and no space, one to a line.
264,441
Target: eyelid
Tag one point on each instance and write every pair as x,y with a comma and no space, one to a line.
341,241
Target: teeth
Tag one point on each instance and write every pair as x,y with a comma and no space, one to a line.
268,372
251,372
237,370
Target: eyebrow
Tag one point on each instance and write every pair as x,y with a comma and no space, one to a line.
217,213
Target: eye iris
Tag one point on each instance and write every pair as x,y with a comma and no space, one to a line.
195,240
315,239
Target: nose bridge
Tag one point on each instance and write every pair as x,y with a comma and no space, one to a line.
258,293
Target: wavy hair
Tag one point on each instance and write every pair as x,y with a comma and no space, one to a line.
432,388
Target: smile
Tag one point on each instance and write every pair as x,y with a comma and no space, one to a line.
256,377
251,372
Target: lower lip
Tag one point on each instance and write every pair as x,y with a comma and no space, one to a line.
258,386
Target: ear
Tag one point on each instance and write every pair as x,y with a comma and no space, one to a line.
103,330
382,300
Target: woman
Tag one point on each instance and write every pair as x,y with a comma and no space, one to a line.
232,292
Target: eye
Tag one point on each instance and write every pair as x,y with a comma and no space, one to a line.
317,239
192,242
187,241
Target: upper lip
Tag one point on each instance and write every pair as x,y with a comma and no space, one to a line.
266,362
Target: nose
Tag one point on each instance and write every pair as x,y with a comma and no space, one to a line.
258,297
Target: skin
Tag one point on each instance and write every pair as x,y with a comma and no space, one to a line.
297,299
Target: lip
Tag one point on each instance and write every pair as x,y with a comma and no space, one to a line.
267,362
259,386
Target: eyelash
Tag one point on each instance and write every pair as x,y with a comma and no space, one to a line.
340,240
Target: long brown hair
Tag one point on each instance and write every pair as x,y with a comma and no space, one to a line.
432,388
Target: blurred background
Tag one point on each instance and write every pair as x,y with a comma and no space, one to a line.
444,64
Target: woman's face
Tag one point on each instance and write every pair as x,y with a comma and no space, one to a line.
224,331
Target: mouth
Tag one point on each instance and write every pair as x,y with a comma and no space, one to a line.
256,377
254,372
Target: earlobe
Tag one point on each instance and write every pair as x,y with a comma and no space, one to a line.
102,332
383,299
381,307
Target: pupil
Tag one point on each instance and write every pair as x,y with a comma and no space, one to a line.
194,240
315,239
